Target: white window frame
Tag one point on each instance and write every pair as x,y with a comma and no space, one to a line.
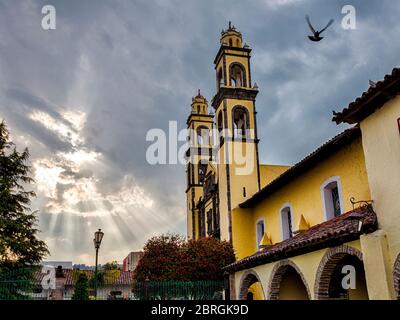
284,234
257,222
327,197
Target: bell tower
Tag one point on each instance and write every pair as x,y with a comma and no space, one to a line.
199,125
234,104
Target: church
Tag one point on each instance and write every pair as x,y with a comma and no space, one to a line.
298,230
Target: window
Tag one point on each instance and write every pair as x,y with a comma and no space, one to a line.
193,224
220,79
240,122
215,219
237,75
219,122
202,136
189,174
202,167
331,197
286,223
210,228
260,232
202,226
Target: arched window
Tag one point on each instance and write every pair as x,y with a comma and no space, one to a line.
202,167
189,174
220,126
202,223
220,79
203,135
286,223
240,122
198,109
331,192
260,228
230,42
237,75
210,228
219,122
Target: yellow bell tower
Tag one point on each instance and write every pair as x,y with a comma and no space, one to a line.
234,104
200,125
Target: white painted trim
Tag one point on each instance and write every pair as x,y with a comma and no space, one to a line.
285,206
322,189
263,221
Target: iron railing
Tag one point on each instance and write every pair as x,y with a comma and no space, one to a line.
30,284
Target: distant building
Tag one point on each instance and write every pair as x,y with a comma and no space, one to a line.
55,264
131,261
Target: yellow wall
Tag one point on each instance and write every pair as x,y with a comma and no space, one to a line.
243,239
257,291
292,287
377,264
304,196
381,141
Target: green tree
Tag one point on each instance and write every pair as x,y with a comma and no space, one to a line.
19,245
113,265
81,288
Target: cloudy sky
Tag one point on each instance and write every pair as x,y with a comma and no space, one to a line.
82,98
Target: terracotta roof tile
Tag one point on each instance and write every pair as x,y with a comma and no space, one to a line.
371,100
338,230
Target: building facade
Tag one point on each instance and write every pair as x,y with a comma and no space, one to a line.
325,228
131,261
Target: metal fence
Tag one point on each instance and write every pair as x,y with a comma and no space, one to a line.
18,284
179,290
30,284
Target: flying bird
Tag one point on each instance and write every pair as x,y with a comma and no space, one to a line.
316,34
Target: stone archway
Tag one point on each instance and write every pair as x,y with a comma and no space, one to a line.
333,259
396,277
287,272
249,278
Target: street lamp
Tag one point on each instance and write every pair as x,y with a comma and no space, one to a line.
98,236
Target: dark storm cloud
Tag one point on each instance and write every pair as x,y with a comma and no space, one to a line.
131,66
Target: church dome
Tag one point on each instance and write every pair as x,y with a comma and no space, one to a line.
231,37
199,104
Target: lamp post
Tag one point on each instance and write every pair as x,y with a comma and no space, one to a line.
98,236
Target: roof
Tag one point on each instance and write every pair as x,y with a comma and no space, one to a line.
307,163
336,231
124,278
371,100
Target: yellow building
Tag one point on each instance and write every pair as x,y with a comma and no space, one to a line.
325,228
